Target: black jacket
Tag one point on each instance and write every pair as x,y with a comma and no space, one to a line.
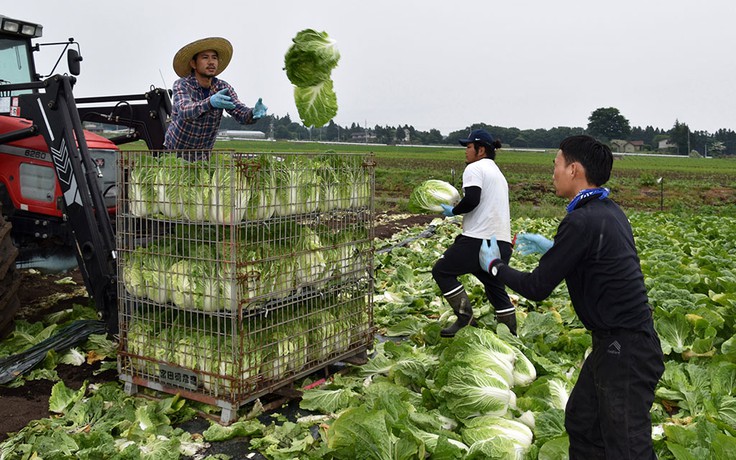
594,253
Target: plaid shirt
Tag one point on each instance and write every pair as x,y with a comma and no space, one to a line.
194,122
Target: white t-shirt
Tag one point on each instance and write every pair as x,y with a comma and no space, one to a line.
491,217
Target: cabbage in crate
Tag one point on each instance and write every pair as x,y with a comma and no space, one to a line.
308,64
429,195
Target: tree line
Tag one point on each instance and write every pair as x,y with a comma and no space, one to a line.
606,124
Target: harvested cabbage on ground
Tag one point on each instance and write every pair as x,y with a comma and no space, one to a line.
387,408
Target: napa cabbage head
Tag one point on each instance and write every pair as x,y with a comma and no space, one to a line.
194,284
308,64
310,259
497,437
196,191
229,189
336,187
673,329
297,186
431,194
360,432
473,392
473,339
133,279
311,58
323,334
228,364
155,272
262,201
545,394
285,352
143,195
170,183
524,372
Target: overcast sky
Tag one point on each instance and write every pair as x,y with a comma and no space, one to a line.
428,63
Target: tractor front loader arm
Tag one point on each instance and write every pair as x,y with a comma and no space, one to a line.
54,113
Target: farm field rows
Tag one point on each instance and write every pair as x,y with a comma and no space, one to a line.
688,184
688,265
688,255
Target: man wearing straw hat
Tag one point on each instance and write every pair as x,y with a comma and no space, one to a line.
200,97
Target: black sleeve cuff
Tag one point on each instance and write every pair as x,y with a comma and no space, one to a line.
495,265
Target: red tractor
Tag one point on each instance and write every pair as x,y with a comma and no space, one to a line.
57,180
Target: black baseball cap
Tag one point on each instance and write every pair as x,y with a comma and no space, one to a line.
480,136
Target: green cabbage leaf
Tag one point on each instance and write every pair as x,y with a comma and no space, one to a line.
317,104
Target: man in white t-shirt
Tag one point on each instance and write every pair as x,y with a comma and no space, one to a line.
485,210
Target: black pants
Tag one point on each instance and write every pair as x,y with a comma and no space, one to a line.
461,258
607,415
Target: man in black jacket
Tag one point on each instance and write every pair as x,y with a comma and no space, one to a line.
607,414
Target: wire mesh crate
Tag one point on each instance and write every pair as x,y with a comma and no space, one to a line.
240,273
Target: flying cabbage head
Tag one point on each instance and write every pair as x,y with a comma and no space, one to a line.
311,58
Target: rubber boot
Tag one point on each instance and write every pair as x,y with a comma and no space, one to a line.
509,319
460,304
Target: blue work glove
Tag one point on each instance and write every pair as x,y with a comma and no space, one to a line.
531,243
259,111
447,210
220,100
488,253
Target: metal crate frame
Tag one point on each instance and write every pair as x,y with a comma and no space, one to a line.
238,283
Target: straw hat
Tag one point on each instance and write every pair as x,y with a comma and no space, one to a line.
220,45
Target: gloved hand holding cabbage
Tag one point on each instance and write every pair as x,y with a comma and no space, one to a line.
431,195
447,210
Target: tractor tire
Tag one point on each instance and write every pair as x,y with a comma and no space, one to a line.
9,279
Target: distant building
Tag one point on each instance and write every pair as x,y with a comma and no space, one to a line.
363,137
622,146
666,145
638,145
237,134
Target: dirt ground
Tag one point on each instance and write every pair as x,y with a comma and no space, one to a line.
41,294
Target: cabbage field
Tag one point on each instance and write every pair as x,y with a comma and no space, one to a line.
483,394
690,270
